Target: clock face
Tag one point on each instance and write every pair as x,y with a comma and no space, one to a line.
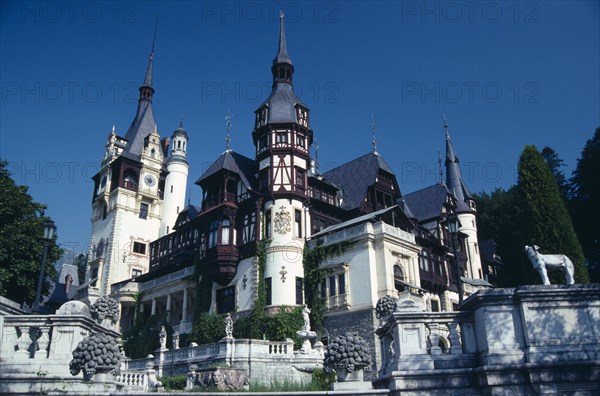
103,181
150,180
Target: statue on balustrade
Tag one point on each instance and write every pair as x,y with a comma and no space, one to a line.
541,262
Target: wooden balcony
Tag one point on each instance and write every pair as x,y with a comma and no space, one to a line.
220,263
221,199
432,281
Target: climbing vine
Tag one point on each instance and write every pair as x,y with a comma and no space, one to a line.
314,274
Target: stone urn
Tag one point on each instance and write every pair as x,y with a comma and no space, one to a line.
348,355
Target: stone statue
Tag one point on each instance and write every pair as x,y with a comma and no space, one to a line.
542,261
163,337
306,317
175,340
228,327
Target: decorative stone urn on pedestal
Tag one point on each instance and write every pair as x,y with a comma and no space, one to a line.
97,356
348,355
105,311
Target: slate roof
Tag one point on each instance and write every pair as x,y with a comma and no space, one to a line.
236,163
190,212
142,125
353,178
427,203
282,104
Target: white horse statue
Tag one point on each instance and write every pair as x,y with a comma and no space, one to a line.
542,261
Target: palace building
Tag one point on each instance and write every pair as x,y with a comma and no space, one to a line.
144,240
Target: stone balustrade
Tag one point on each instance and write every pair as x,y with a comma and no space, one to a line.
528,340
36,350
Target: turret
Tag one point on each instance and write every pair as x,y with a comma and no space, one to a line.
176,181
465,208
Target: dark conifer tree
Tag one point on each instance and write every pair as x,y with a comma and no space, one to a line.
545,221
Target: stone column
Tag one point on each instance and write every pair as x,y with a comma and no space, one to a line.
184,306
153,309
168,308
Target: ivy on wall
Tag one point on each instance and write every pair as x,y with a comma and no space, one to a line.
314,274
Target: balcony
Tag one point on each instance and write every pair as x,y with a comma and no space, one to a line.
220,263
432,281
210,203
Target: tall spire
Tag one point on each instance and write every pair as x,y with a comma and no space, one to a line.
282,54
143,124
148,76
228,127
282,68
373,139
454,180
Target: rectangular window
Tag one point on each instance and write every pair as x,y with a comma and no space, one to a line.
213,234
342,283
299,291
435,306
139,248
263,179
298,223
268,223
332,286
300,178
136,272
323,288
262,142
300,141
281,137
226,300
268,289
143,210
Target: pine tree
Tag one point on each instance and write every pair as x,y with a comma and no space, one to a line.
545,221
555,163
585,197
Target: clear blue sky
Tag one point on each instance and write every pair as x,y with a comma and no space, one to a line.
505,73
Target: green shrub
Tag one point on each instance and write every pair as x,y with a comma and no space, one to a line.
323,380
208,328
176,382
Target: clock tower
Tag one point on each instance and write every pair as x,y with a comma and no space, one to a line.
127,201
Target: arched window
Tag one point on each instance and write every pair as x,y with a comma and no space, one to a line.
399,278
225,225
153,153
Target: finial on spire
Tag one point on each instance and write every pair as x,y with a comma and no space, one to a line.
446,125
188,196
154,38
373,140
228,127
113,129
441,170
148,77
